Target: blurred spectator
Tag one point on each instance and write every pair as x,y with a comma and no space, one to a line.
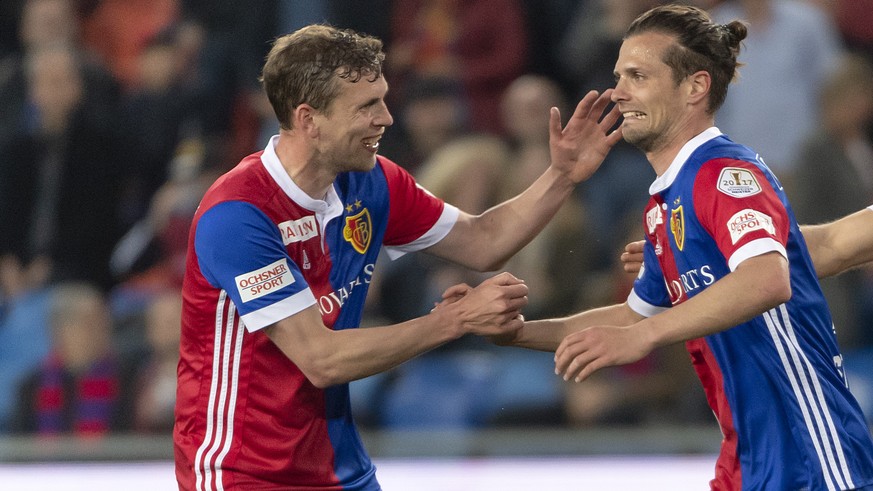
47,24
855,21
156,376
159,112
235,37
118,30
834,177
151,255
590,44
479,44
59,182
24,332
10,13
431,112
791,48
546,22
81,388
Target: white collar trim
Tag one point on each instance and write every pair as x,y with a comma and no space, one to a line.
331,202
664,181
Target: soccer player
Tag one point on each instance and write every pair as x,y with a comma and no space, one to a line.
725,270
281,254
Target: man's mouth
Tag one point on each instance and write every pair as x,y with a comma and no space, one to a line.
634,115
372,143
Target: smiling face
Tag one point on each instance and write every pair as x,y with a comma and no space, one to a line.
652,103
350,128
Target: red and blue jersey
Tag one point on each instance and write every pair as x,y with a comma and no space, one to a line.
775,383
261,250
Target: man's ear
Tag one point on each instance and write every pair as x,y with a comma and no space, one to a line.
698,86
303,118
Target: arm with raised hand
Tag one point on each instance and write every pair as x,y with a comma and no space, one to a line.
485,242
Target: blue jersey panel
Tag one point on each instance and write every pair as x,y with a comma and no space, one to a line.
240,250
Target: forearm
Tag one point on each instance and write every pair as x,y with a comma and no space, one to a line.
329,357
547,334
841,245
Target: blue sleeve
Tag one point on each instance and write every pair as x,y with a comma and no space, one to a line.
240,250
649,286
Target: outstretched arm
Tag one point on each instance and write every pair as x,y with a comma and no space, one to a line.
757,285
329,357
485,242
842,244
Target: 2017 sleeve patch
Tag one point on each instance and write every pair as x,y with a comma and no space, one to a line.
737,182
749,220
257,283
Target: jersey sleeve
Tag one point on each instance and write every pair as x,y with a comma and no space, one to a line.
416,218
649,295
240,251
735,202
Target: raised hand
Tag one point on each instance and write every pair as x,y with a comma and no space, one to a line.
578,149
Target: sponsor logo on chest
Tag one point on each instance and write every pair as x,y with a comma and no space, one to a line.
298,230
689,281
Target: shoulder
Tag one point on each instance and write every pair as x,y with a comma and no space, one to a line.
249,181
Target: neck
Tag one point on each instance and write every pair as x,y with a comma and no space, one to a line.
663,154
301,163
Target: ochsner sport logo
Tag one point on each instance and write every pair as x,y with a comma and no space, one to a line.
262,281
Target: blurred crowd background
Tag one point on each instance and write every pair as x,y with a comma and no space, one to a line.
118,114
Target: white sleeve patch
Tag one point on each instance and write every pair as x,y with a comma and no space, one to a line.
642,307
257,283
749,220
739,183
440,229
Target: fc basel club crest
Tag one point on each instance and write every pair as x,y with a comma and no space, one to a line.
358,230
677,226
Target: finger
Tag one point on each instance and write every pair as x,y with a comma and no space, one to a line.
554,124
514,291
566,351
504,278
610,119
514,324
584,107
600,104
589,369
516,304
456,290
635,247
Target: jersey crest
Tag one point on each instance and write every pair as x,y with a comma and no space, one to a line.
358,230
677,226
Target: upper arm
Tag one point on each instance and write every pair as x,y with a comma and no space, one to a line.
458,243
738,206
240,251
300,336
